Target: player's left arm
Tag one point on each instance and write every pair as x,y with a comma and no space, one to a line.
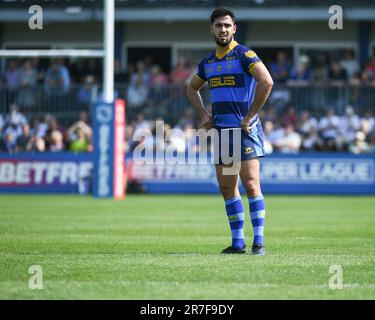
263,89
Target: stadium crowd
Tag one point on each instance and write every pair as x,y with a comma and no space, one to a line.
287,127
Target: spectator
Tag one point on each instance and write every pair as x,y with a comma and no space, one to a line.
306,123
24,140
359,145
367,123
336,73
302,72
328,127
12,76
290,142
140,75
137,94
15,116
37,144
10,136
311,140
56,143
349,64
79,143
280,70
57,80
290,118
158,78
368,74
268,129
1,124
28,81
349,126
181,71
85,92
320,71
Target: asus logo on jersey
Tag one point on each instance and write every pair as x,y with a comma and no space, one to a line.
225,81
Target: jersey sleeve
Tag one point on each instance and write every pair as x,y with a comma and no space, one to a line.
248,59
200,73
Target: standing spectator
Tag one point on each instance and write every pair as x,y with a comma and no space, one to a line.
141,73
57,79
28,81
320,70
337,73
368,73
301,72
12,80
349,64
181,71
280,70
85,93
137,94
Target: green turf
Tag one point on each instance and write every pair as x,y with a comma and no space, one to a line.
166,247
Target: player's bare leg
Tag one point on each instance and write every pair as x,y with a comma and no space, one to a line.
228,185
250,178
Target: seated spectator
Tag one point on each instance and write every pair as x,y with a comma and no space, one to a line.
56,143
79,143
359,145
306,123
290,142
349,126
10,136
23,141
280,70
329,130
37,144
367,123
15,117
311,140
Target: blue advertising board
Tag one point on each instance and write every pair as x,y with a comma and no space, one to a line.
309,173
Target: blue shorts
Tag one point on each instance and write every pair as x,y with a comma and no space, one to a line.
250,145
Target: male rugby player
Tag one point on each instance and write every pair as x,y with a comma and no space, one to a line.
239,86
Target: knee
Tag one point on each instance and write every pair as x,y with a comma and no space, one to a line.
252,187
228,192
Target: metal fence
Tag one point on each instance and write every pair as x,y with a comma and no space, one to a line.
170,102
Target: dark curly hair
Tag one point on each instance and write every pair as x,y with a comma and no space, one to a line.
222,12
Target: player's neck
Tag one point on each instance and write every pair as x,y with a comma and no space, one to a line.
222,51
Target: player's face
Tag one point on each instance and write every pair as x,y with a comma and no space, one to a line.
223,30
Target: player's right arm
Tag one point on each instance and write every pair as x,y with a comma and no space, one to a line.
192,91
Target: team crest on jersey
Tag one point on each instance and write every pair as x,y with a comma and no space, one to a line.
250,54
219,68
229,66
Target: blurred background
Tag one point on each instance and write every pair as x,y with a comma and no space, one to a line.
323,99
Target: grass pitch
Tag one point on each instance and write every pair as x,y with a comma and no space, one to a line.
167,247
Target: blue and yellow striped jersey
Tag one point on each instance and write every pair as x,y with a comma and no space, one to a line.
231,85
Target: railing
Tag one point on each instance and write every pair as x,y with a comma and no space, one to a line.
170,102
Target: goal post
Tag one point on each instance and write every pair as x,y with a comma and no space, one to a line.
108,115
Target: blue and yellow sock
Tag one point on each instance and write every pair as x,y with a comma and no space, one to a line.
236,219
257,215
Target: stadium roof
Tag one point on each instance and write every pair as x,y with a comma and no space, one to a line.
186,10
